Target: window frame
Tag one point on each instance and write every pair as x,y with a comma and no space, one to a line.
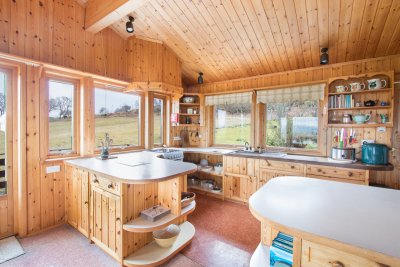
119,89
75,150
164,125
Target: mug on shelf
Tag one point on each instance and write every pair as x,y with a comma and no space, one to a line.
356,86
374,84
341,88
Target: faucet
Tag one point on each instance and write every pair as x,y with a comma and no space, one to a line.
246,145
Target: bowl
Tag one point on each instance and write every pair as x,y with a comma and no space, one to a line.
188,99
187,198
204,162
165,238
218,169
207,168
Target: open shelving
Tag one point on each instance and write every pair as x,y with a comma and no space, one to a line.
140,225
198,188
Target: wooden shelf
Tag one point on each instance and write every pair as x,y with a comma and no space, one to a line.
260,256
363,92
154,255
186,125
140,225
187,114
189,104
361,108
364,125
211,173
205,190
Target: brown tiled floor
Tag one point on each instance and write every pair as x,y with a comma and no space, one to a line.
226,235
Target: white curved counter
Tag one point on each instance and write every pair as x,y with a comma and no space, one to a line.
364,218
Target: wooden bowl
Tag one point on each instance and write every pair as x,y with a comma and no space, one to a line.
166,237
187,198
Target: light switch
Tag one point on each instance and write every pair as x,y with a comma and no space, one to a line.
52,169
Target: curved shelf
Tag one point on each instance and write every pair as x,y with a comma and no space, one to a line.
364,125
360,108
140,225
260,257
362,92
154,255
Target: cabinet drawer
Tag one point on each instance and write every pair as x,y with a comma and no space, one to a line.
337,179
316,255
105,184
282,166
336,172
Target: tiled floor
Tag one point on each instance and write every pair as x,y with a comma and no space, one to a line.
226,235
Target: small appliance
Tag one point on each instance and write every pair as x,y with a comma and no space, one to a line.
375,154
343,153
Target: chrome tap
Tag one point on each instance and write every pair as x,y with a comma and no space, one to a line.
246,145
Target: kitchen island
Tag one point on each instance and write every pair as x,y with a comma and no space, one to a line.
104,199
328,226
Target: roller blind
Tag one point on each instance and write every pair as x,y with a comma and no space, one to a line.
238,98
300,93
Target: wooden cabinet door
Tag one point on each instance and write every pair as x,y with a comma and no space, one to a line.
239,187
105,220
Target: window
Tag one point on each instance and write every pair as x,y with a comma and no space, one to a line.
159,113
62,95
232,118
5,127
292,116
117,114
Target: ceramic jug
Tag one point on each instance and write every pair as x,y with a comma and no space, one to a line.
376,84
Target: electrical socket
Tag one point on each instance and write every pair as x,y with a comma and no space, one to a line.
367,141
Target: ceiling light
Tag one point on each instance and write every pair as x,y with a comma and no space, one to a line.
200,78
129,24
324,57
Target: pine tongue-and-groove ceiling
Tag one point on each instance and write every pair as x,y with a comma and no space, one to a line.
230,39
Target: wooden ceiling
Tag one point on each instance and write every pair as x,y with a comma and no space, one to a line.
230,39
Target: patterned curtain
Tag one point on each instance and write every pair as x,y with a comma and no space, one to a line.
239,98
301,93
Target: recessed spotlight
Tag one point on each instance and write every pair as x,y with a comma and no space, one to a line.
129,24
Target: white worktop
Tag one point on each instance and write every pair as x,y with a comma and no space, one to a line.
136,167
361,216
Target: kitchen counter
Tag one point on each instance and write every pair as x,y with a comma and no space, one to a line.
135,168
205,150
324,210
315,160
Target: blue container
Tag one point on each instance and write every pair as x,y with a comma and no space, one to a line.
375,154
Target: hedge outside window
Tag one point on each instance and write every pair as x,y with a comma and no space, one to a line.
292,116
232,118
117,114
158,112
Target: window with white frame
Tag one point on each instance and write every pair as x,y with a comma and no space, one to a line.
292,116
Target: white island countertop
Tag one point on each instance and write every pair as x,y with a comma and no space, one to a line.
135,168
356,215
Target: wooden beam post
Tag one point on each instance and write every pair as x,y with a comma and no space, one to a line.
102,13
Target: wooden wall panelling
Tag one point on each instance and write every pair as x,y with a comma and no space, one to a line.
88,142
53,32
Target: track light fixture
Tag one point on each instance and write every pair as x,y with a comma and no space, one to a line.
324,57
129,24
200,78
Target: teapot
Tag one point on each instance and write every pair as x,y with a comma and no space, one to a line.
361,118
370,103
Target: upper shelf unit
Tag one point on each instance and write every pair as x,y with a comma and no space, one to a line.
369,95
189,110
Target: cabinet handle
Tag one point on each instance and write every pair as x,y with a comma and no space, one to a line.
95,180
337,264
292,167
110,185
350,174
86,202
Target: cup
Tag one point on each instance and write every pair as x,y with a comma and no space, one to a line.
356,86
374,84
341,88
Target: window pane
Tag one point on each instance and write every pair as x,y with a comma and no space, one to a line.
293,124
232,124
117,114
61,125
158,121
3,121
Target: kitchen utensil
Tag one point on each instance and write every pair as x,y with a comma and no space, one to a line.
361,118
346,118
341,88
207,168
384,118
188,99
218,169
375,154
343,153
356,86
370,103
374,84
193,181
204,162
187,198
154,213
166,237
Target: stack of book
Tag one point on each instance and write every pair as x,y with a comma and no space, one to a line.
281,251
341,101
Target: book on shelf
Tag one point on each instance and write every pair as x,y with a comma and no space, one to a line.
341,101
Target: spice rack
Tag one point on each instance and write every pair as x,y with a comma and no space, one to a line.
342,100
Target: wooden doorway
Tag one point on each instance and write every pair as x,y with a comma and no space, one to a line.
6,152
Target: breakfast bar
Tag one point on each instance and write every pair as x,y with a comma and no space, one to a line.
330,223
104,199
